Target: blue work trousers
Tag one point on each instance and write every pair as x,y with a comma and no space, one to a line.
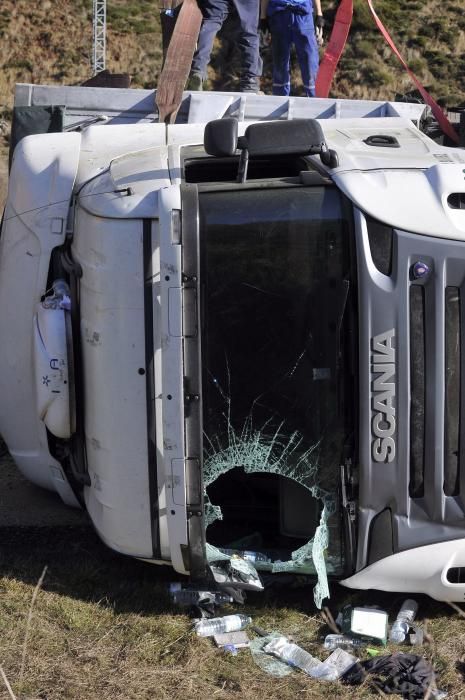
289,28
214,14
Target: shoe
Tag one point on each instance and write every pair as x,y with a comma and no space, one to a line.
249,86
194,82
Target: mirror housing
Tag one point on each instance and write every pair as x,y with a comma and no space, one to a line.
281,138
220,137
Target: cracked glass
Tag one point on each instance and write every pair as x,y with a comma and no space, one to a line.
277,413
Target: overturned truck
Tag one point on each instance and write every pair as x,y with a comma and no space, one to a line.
240,334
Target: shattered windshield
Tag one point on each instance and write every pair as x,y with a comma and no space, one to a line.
276,280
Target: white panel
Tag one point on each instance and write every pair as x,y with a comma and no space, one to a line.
405,187
175,311
201,110
113,351
172,373
129,105
101,144
51,370
157,335
48,165
420,570
129,188
178,482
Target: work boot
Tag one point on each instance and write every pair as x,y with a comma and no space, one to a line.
194,82
249,85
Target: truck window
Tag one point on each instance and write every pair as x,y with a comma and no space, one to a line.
225,169
277,408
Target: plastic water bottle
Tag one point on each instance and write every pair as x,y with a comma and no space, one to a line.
405,617
342,641
292,654
221,625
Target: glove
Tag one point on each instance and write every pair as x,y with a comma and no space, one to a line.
263,25
319,24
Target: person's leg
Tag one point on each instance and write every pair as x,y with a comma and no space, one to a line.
307,51
168,21
214,13
248,12
281,40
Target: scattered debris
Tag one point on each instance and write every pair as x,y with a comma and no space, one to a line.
417,637
270,664
189,596
405,674
400,673
335,666
220,625
343,641
292,654
369,624
232,570
403,622
227,640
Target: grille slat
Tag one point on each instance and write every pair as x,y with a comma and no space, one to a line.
417,391
452,391
435,375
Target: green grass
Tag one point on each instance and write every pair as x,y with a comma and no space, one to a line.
136,17
103,627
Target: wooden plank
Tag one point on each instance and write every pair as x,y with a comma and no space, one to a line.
178,61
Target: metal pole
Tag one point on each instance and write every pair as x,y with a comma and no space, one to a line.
100,30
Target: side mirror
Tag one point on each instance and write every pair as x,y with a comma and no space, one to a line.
284,138
220,137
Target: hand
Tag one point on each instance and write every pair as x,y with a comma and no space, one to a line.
263,25
319,24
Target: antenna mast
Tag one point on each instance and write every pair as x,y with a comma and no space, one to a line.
100,30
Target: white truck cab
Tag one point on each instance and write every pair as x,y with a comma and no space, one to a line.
241,332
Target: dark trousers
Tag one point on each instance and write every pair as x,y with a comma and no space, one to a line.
289,28
214,14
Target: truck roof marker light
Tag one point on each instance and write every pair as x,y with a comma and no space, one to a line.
420,270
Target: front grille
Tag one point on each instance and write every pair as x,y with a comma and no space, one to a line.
436,423
380,238
417,319
417,391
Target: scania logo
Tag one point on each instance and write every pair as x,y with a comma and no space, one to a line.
383,395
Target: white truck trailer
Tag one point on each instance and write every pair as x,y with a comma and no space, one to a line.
241,332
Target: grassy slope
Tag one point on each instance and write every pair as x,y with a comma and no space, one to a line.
103,628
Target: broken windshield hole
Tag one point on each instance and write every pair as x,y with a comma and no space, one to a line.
265,512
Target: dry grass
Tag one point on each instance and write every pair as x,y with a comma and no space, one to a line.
103,627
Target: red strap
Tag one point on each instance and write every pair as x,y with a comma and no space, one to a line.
443,121
336,45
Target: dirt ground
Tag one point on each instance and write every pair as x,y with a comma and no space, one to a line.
24,505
